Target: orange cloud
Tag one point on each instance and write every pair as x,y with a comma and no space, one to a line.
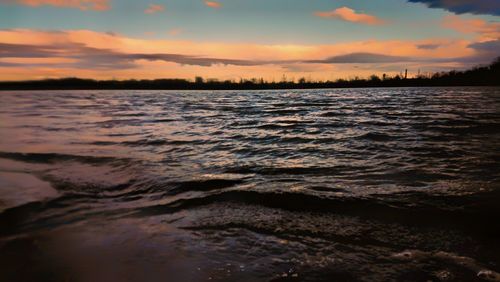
485,30
350,15
213,4
154,8
91,54
96,5
39,61
263,52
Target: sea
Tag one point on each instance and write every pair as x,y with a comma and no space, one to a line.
375,184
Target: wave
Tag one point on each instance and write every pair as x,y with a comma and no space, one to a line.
450,258
300,170
404,208
277,126
333,114
204,185
32,216
272,230
51,158
160,142
146,142
284,111
378,137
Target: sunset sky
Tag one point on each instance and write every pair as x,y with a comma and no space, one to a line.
233,39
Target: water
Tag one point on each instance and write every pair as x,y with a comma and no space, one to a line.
309,185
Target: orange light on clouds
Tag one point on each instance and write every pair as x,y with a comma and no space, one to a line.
350,15
97,5
149,58
213,4
485,30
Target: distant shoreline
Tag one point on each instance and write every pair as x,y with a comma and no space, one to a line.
82,84
234,89
479,76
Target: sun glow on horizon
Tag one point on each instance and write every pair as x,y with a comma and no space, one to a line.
177,51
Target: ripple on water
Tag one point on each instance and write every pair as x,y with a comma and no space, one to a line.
310,185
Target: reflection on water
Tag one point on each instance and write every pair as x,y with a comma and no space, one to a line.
312,185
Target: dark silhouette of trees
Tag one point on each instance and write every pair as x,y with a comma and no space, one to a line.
198,80
478,76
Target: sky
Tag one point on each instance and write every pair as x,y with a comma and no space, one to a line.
235,39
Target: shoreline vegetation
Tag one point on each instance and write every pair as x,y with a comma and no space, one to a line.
478,76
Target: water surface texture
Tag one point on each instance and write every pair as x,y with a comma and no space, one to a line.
309,185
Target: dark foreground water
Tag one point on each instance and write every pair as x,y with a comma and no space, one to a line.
313,185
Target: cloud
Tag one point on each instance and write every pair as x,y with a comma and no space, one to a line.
362,58
189,60
213,4
485,30
89,57
154,8
480,7
86,57
428,46
485,52
492,46
350,15
252,52
96,5
30,54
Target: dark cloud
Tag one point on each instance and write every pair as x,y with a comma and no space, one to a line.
190,60
480,7
486,52
25,51
362,58
428,46
487,46
88,57
93,58
4,64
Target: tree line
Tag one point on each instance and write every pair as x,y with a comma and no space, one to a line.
478,76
